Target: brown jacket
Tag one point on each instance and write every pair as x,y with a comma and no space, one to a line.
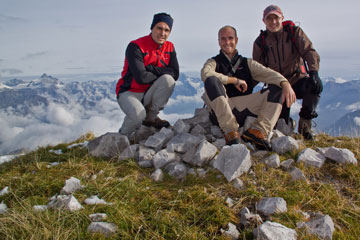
285,58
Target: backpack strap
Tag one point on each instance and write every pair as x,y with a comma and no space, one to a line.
261,42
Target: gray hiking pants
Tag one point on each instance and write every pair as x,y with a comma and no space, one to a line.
140,106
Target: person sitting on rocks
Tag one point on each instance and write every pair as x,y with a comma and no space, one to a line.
229,79
148,77
283,47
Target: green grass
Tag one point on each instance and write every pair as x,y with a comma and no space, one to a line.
194,208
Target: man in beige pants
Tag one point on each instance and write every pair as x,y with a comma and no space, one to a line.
229,80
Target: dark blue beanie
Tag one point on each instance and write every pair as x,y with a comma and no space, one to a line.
162,17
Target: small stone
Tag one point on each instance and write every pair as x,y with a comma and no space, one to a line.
232,232
4,191
311,158
102,227
272,161
238,184
157,175
40,208
3,208
71,185
229,202
269,206
297,174
287,164
98,217
95,200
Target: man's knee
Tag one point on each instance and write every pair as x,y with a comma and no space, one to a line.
138,115
167,80
214,88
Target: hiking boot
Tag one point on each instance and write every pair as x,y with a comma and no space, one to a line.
256,137
232,137
304,129
156,123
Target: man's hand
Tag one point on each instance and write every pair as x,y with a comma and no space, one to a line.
288,94
318,86
239,84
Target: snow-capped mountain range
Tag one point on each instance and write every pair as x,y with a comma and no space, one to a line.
49,111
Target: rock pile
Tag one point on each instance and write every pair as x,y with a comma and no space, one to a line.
193,145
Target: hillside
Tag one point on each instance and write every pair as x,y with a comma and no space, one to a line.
199,204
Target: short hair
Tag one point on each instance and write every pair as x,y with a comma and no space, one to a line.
227,26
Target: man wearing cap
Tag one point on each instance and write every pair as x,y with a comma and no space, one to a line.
229,80
283,48
148,77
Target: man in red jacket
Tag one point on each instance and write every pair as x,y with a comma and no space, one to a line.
148,77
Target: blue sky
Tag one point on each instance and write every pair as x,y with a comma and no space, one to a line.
90,36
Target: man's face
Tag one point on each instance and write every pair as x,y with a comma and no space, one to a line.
160,32
273,22
228,41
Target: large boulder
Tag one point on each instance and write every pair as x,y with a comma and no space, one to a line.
108,145
233,161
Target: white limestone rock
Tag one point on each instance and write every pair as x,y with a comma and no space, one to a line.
182,142
159,139
157,175
238,184
219,143
284,144
95,200
67,202
232,232
233,161
287,164
201,154
4,191
274,231
181,127
71,185
40,208
297,174
129,152
272,161
322,226
108,145
269,206
3,208
177,170
102,227
284,128
98,217
311,158
163,158
341,155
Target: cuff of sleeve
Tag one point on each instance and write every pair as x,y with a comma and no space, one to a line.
283,82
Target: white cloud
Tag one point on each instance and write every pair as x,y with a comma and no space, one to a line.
59,115
357,121
340,80
353,107
64,123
